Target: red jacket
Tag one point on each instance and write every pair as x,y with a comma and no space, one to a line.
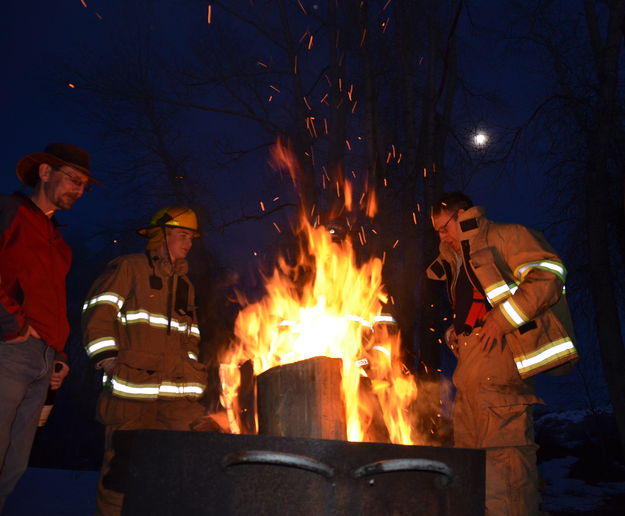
34,261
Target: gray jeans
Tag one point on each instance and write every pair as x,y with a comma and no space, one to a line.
25,369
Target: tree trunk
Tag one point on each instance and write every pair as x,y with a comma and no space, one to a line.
302,140
337,123
597,213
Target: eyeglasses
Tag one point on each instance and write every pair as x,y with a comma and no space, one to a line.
443,228
85,185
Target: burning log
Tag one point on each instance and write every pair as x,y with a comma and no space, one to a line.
303,399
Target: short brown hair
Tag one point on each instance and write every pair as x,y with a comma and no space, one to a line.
451,201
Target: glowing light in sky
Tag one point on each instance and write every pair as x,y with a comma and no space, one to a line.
480,139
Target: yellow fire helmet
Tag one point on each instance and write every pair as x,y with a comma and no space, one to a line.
181,217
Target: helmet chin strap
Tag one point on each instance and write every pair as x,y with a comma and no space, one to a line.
171,258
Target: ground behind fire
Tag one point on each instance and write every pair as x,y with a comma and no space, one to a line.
581,463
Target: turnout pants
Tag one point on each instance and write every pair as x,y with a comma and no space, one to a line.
121,414
493,411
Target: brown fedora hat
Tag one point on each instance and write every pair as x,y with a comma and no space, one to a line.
55,154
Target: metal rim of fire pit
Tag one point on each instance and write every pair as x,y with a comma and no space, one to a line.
275,458
396,465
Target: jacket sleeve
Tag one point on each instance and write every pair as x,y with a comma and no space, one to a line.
102,308
13,321
538,272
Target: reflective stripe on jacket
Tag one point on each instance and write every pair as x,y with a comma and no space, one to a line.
523,280
141,311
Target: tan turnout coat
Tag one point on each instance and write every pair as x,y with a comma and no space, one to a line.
523,280
141,311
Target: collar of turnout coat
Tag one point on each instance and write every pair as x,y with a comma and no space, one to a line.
163,266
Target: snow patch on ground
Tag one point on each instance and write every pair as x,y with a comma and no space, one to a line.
572,494
571,416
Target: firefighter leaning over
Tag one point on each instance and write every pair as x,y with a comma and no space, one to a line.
511,321
140,327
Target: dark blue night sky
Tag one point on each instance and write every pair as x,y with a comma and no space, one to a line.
44,40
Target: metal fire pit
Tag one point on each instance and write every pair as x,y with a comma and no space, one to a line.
173,473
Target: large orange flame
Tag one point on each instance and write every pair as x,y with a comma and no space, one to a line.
327,305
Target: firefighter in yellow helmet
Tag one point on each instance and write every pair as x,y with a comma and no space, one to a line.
172,217
140,328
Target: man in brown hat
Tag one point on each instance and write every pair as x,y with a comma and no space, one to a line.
34,261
